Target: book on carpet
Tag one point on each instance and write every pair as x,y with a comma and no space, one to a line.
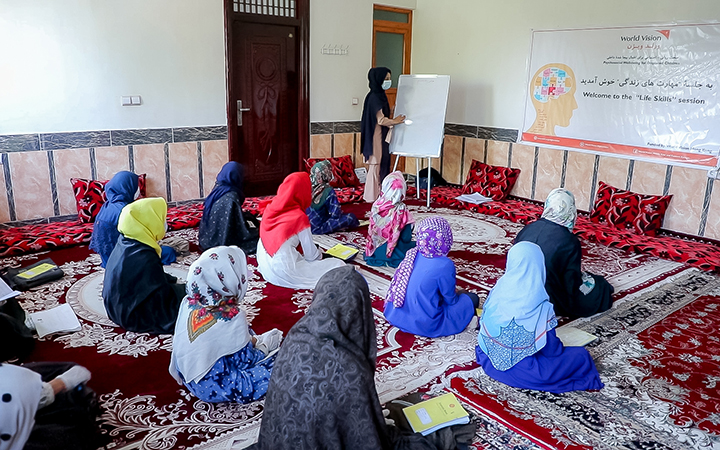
362,223
342,251
55,320
574,337
473,198
34,275
431,415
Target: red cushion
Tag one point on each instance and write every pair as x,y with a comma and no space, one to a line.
625,210
491,181
343,171
90,196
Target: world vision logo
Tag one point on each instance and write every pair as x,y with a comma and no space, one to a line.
665,33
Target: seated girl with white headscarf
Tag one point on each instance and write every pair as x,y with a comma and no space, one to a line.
138,295
214,354
390,230
422,298
517,344
573,292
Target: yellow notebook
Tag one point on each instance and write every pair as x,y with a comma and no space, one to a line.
37,270
342,251
439,412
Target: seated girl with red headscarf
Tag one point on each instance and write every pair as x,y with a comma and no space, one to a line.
390,230
283,229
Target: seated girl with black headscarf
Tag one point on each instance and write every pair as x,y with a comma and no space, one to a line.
47,406
322,392
390,230
285,228
223,221
422,298
517,344
573,292
325,213
121,190
138,295
214,354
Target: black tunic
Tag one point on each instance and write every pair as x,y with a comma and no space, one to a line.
563,274
138,295
227,226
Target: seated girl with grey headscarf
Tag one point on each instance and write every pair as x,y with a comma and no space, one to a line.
574,293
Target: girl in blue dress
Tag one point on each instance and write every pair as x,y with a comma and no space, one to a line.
517,344
422,298
214,352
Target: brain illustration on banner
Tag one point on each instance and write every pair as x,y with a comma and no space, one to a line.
551,83
553,97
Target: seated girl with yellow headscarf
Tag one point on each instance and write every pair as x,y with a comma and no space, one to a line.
325,214
138,295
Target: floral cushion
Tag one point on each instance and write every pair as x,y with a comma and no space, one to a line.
343,171
90,196
629,211
491,181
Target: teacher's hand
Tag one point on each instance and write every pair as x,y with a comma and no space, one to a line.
399,119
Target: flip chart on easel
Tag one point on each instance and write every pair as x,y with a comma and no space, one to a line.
423,100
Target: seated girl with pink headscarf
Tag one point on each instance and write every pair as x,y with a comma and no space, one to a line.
422,298
390,230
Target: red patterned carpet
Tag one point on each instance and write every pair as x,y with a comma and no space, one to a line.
657,354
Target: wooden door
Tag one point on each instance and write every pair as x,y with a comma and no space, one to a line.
392,42
268,75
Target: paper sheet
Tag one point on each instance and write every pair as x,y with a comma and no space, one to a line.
473,198
56,320
6,292
361,173
574,337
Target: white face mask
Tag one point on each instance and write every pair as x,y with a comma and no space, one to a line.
386,84
137,193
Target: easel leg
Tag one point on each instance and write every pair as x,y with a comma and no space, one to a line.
417,178
428,182
397,158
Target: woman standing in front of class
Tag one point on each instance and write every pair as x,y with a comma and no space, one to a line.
374,129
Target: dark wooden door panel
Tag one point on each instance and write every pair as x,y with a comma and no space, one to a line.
266,74
266,61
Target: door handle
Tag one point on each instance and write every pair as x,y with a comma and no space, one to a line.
240,110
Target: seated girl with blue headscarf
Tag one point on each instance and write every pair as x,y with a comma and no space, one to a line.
517,344
138,295
223,221
121,190
325,214
214,352
422,298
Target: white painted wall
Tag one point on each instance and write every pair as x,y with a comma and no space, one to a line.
64,64
484,44
335,80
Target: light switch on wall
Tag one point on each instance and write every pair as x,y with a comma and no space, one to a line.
355,101
135,100
125,100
